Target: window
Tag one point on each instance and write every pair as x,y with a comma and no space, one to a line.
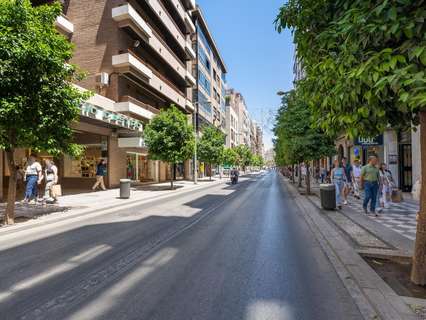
203,103
202,57
204,82
203,39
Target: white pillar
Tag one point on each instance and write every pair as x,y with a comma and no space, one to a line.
415,149
390,148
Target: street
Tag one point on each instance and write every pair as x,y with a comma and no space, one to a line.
225,252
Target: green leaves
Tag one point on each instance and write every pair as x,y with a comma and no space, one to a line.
210,147
364,62
38,102
169,136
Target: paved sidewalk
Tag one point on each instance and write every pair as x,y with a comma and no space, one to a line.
400,217
94,201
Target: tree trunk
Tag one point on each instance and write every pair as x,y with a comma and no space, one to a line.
418,272
308,180
292,173
299,170
171,175
210,175
9,216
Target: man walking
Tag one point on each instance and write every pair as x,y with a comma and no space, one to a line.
370,181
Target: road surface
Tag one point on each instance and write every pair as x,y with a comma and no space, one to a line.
228,252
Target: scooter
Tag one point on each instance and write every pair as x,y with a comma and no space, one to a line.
234,179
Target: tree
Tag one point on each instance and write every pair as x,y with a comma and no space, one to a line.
365,70
170,138
211,145
257,161
244,156
229,157
300,141
37,99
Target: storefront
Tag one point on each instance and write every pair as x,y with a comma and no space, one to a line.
79,173
139,167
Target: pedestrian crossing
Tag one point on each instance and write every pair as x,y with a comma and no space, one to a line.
400,217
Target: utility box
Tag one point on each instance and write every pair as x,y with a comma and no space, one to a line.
328,196
125,188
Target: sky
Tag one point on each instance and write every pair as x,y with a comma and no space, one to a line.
259,60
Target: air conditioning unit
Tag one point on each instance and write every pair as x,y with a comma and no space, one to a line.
103,79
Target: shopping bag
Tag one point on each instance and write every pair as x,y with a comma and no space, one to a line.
56,190
396,195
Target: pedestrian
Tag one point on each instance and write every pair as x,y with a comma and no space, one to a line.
356,178
51,176
33,177
386,186
348,184
101,171
370,182
317,174
323,174
338,178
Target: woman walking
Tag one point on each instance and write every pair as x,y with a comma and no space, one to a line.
386,184
100,174
338,178
51,176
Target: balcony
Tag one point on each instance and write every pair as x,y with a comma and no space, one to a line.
168,21
127,16
64,25
190,79
189,51
130,105
129,63
189,24
190,105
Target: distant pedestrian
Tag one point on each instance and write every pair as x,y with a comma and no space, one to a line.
51,176
370,181
101,171
356,178
338,178
33,177
324,174
348,184
386,186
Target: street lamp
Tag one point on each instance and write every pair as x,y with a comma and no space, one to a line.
195,116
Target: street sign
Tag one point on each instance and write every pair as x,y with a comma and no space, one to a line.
365,142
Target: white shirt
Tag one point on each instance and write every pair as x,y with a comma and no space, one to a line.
33,169
357,171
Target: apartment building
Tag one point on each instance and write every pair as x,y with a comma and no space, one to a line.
210,70
138,57
259,141
231,120
236,106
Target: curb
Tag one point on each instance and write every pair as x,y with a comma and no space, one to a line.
373,297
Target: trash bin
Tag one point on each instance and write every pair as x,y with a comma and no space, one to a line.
125,188
328,196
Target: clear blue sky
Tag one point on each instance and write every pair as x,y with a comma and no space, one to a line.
259,60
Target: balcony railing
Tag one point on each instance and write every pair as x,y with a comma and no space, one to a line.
130,61
131,105
64,24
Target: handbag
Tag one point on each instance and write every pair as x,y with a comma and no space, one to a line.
56,190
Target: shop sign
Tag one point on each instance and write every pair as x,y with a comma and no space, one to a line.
365,142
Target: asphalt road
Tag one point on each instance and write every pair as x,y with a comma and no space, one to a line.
229,252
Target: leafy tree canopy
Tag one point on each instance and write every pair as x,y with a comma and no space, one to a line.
364,61
169,136
297,141
229,157
211,145
244,155
37,99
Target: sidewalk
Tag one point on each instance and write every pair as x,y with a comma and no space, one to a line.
96,201
400,217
